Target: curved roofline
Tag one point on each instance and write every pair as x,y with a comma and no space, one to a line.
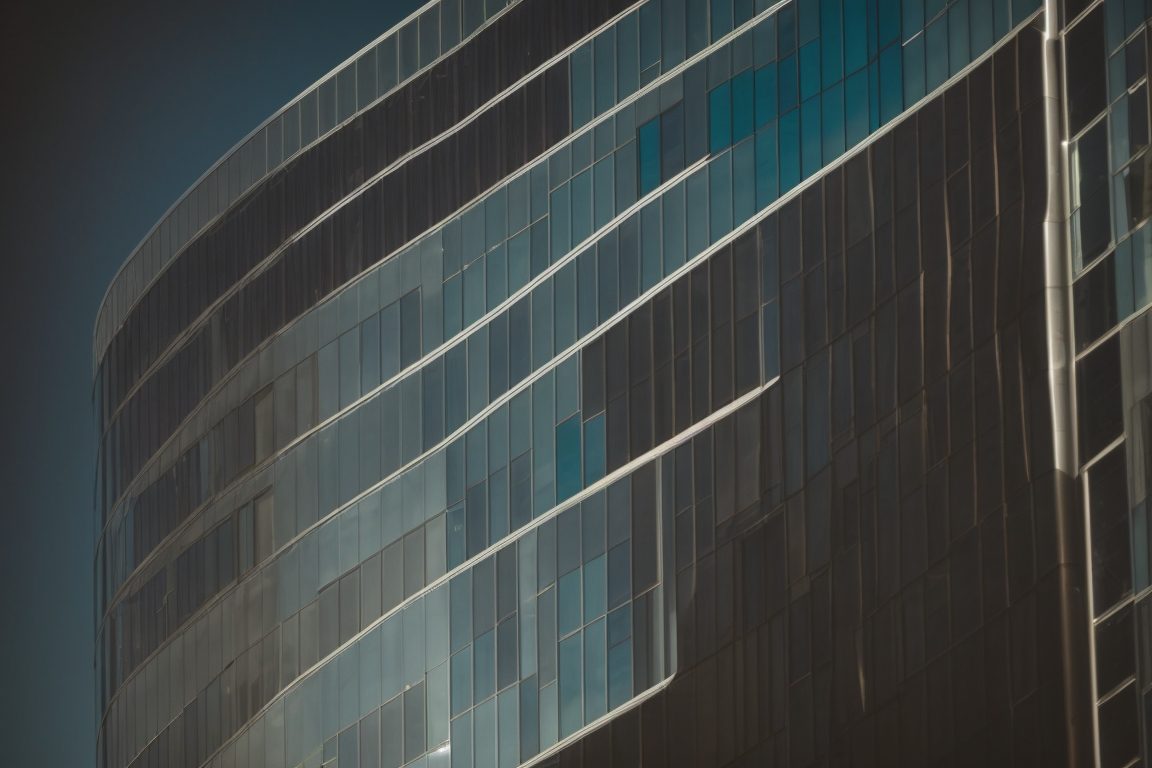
244,140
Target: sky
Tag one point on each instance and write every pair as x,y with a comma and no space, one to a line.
110,111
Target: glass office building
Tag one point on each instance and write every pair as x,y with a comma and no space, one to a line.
647,382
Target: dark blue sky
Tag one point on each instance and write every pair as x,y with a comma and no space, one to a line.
110,111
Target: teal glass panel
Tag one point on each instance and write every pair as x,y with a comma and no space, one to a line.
788,88
789,149
519,262
856,108
743,180
496,263
914,70
855,36
474,293
595,588
650,251
673,229
649,151
604,186
721,18
595,672
457,542
484,665
568,610
696,210
453,305
568,458
627,57
580,65
913,18
461,674
560,218
767,171
743,105
958,50
935,53
581,206
571,683
810,137
786,30
831,42
833,122
891,83
586,291
888,22
766,98
981,35
720,195
619,674
719,118
932,8
594,457
810,70
604,45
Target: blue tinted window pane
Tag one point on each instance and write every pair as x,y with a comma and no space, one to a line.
627,57
453,305
788,88
581,68
582,206
856,108
721,18
568,603
649,151
595,588
474,293
484,665
914,70
571,679
767,173
833,122
519,265
913,18
605,187
743,105
720,192
497,276
958,53
593,449
810,70
605,49
457,542
891,83
935,54
696,208
461,680
789,150
619,674
568,458
888,14
831,41
743,181
595,672
981,33
766,97
650,271
719,118
855,36
560,242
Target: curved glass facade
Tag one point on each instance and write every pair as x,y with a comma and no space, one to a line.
670,381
